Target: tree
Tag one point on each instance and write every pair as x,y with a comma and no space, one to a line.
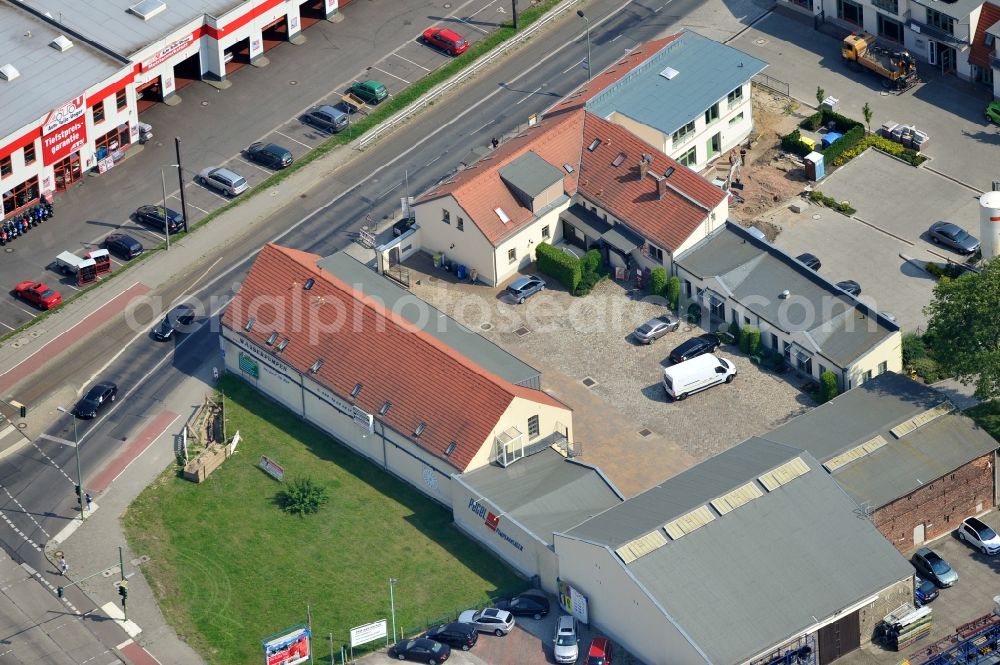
827,387
820,95
866,111
658,282
673,291
302,496
963,332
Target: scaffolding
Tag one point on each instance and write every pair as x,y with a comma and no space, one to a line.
974,643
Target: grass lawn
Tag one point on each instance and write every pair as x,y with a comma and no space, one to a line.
987,415
229,568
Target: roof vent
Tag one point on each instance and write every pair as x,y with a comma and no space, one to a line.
385,409
669,73
249,324
784,294
357,389
147,9
593,146
309,284
273,338
62,44
315,366
420,429
450,449
502,215
619,159
9,72
281,346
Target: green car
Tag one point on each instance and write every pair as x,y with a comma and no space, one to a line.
371,92
993,111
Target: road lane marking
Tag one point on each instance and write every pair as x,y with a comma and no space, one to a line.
527,96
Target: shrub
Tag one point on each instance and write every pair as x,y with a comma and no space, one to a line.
694,312
793,143
734,330
753,343
827,387
817,196
849,140
658,282
885,145
927,368
591,272
673,291
913,349
559,265
775,361
302,496
821,118
592,261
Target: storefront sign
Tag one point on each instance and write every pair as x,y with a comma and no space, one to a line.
64,130
106,164
72,110
287,649
164,53
272,468
368,633
573,602
249,365
492,522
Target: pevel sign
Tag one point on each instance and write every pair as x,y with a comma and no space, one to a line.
272,468
368,632
64,130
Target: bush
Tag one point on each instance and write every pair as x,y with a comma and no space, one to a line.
302,496
753,344
844,207
673,291
793,143
849,140
827,387
927,368
563,267
734,330
913,349
694,312
658,282
745,339
821,118
591,272
775,361
592,261
912,157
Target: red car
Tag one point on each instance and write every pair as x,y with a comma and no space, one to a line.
447,40
601,652
38,294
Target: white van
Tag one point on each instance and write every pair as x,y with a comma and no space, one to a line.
696,374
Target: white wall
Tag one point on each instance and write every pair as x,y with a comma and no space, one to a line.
524,243
471,248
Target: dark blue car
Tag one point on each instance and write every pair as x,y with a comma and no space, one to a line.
924,591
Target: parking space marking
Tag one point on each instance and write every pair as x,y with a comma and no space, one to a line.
474,27
6,326
304,145
259,168
484,8
411,62
31,314
527,96
391,74
75,288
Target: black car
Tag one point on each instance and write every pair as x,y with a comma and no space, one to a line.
122,245
456,635
694,347
95,399
154,216
421,650
534,605
270,155
811,260
850,286
177,318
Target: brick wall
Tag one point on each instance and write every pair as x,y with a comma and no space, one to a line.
889,599
940,505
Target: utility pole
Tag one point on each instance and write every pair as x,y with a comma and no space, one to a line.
79,471
392,606
180,181
590,71
513,4
123,584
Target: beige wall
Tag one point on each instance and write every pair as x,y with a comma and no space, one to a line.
653,137
889,351
889,599
471,248
525,241
620,608
713,220
517,415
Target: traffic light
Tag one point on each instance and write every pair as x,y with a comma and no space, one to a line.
123,590
60,591
77,493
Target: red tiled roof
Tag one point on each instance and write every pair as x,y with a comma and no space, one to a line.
480,191
668,222
980,53
360,341
612,74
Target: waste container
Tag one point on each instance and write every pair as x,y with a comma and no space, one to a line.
460,272
438,258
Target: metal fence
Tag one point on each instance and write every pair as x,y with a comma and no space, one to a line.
772,83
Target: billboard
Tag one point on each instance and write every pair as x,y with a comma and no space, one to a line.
368,633
573,601
64,130
288,648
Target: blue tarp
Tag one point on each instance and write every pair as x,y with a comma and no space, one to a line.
830,137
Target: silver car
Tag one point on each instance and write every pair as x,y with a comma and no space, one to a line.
223,180
566,645
490,620
656,328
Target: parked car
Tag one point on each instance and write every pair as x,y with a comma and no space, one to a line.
421,650
694,347
850,286
933,567
523,288
96,398
178,318
566,644
326,118
447,40
490,620
534,605
38,294
457,635
924,591
223,180
601,652
122,245
270,155
158,217
953,236
811,260
973,531
993,111
370,92
656,328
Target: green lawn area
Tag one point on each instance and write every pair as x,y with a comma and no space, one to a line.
229,568
987,415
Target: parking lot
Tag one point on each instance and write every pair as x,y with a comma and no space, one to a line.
585,350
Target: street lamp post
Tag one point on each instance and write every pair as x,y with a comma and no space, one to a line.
579,12
163,183
79,472
392,606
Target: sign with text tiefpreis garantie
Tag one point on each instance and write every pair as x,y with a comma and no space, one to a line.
64,131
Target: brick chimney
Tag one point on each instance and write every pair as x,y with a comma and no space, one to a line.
643,167
661,187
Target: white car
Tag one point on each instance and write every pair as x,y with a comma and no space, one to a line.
490,620
566,646
223,180
980,536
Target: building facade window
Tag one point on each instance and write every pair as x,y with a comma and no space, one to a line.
850,12
938,20
712,114
116,139
713,146
121,99
6,167
890,29
684,133
533,429
511,255
891,6
690,157
445,216
98,112
545,233
774,342
654,252
687,288
24,194
736,118
866,377
735,96
883,367
29,153
460,223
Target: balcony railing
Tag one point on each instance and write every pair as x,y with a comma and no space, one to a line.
937,34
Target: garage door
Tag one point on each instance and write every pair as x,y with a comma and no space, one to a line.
839,638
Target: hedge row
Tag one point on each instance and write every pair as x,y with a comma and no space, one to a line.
559,265
908,155
821,118
792,142
843,144
817,196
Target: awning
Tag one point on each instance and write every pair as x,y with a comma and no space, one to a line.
584,220
622,239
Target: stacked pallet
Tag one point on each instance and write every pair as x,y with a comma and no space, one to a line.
905,625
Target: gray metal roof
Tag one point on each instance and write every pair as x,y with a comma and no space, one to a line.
581,218
756,273
904,464
450,332
49,78
531,174
544,493
766,570
108,22
707,71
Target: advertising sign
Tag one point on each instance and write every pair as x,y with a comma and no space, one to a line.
492,522
288,648
64,130
164,53
272,468
573,602
368,633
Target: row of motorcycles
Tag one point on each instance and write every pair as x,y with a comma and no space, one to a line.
27,220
